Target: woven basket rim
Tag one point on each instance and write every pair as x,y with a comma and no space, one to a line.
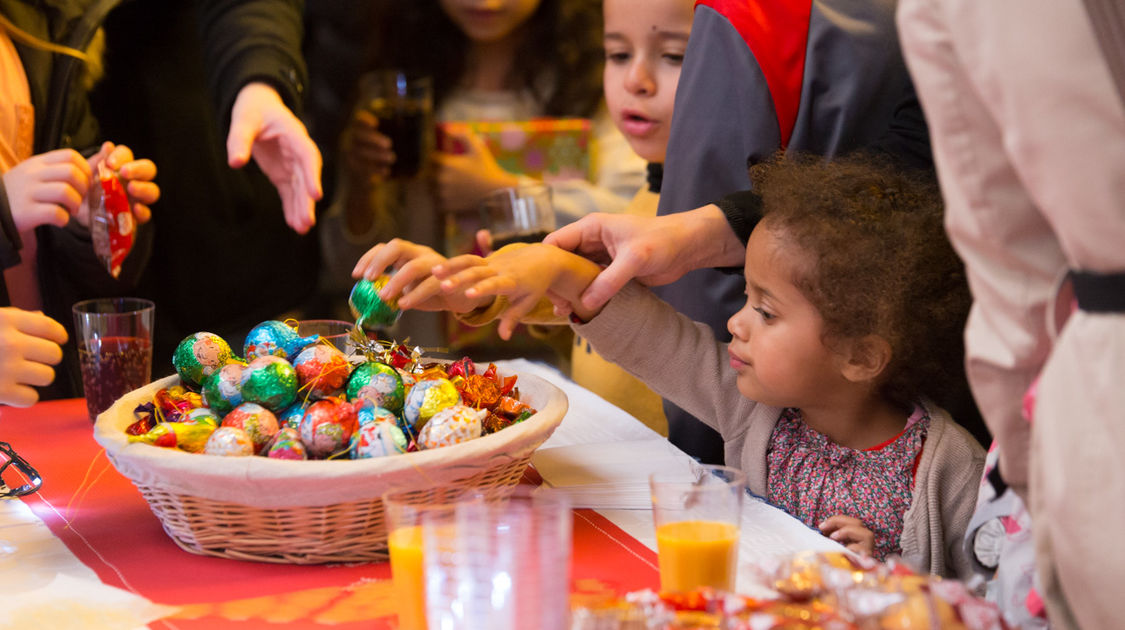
265,482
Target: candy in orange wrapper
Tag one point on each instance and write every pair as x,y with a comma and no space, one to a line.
480,391
187,436
111,221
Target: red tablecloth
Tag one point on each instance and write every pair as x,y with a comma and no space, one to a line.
104,521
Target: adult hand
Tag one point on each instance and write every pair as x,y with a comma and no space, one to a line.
137,175
463,179
850,532
654,250
46,189
263,127
29,345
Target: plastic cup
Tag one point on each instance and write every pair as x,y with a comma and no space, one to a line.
521,214
114,339
502,565
335,331
697,527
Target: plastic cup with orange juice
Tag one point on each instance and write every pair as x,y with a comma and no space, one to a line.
697,521
405,513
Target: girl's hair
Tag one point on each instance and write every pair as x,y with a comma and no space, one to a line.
878,262
91,58
562,41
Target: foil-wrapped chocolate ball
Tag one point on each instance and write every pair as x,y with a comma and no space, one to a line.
222,390
322,370
379,383
291,415
370,310
287,445
275,338
328,426
229,442
428,397
269,381
203,415
257,421
199,355
452,425
379,434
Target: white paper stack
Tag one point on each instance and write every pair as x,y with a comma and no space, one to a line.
611,475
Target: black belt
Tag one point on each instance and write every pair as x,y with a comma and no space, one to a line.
1099,292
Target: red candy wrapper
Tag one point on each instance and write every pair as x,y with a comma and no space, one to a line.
111,222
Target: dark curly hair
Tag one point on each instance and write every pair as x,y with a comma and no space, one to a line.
562,40
879,262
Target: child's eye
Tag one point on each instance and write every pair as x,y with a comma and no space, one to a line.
617,57
674,58
766,315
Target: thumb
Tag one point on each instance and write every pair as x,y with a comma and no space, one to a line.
240,139
608,283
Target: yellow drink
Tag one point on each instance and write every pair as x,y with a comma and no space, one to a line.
405,545
697,553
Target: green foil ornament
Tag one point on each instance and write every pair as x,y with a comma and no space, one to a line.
269,381
370,310
199,355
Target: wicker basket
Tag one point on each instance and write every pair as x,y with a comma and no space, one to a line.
309,512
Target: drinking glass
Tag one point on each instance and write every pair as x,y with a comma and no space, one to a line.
114,339
697,523
403,104
519,214
501,564
335,331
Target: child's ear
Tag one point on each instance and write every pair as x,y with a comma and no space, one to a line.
867,358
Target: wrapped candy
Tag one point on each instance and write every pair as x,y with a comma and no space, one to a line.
222,390
379,383
291,415
479,391
322,370
452,425
188,436
229,442
175,402
112,227
269,381
275,338
370,310
257,421
328,426
199,355
287,445
202,415
461,367
378,434
426,398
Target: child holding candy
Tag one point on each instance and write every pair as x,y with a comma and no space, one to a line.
853,302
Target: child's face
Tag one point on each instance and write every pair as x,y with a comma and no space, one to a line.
489,21
777,348
644,48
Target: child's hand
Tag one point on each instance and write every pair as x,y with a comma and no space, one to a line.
463,179
29,346
525,274
850,532
412,282
46,189
136,175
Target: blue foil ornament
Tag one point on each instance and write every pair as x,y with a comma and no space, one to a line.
275,338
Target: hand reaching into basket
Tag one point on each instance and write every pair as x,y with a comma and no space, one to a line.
412,282
529,276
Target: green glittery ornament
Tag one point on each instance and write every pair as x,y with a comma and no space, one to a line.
370,310
199,355
269,381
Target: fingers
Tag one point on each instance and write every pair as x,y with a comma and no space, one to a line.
38,325
377,260
18,395
297,205
484,241
59,193
71,157
476,282
417,296
573,236
512,315
457,264
611,280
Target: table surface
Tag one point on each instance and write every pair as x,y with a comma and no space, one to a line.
91,526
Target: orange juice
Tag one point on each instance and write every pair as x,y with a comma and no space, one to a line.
405,545
697,553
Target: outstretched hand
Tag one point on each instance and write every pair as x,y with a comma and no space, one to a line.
654,250
29,345
412,282
263,127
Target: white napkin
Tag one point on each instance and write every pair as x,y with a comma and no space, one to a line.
69,602
612,475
